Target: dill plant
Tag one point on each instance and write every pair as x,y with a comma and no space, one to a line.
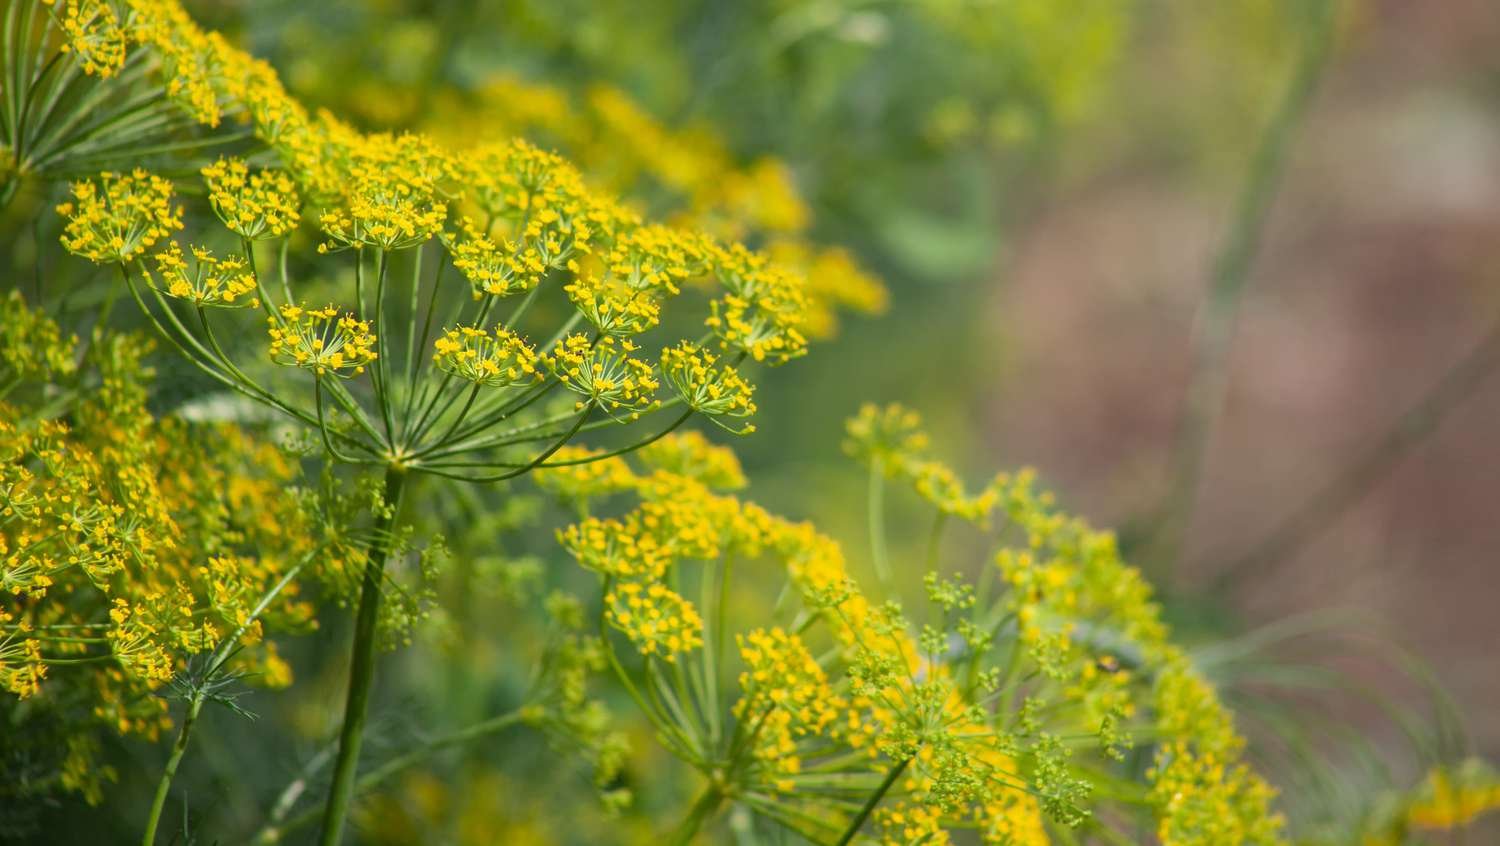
412,375
1012,708
472,313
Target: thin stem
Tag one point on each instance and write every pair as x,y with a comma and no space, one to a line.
935,540
286,285
361,666
164,784
381,373
415,354
875,505
1321,510
533,464
1230,274
869,806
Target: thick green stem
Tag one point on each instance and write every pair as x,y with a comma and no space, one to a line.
165,784
273,832
869,808
361,667
702,810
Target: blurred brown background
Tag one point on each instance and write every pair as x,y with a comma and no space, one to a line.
1353,363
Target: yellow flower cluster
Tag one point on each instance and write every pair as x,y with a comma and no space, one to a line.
94,34
498,359
262,204
655,618
1453,797
676,517
391,202
31,344
707,387
129,543
212,282
496,268
619,548
527,215
119,216
538,191
763,313
642,266
691,455
21,667
1071,574
891,441
1088,655
786,696
616,140
604,373
321,340
577,474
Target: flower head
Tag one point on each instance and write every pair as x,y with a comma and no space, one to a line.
706,386
891,435
321,340
617,547
787,694
655,618
764,309
495,267
497,360
393,199
212,282
94,34
690,454
604,373
119,216
263,204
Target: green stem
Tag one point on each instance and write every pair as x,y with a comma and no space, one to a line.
273,833
869,806
876,507
935,540
165,783
361,667
703,809
1231,273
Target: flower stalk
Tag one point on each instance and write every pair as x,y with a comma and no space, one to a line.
361,666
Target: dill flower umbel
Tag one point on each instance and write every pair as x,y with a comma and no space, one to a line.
392,200
655,618
604,373
119,216
262,204
212,281
94,34
617,548
705,386
787,694
763,313
499,359
321,340
497,268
